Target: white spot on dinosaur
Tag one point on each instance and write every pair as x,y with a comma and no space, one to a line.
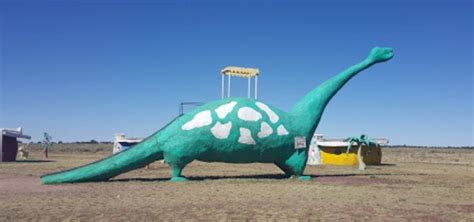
248,114
281,131
225,109
221,131
265,130
272,115
199,120
246,137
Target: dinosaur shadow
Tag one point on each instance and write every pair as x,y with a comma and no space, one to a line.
273,176
139,180
202,178
385,164
276,176
34,161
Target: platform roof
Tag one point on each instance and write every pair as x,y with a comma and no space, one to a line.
344,143
240,71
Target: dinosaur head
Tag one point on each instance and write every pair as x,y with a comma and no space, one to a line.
378,54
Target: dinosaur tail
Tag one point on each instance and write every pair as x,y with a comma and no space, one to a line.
136,157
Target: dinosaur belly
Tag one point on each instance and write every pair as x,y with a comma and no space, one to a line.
245,154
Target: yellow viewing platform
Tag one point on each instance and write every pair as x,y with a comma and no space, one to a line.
338,155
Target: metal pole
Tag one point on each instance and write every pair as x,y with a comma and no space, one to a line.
248,89
222,86
256,87
228,88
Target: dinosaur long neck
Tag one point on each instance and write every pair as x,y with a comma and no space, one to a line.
308,111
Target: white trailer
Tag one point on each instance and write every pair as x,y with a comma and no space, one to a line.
122,143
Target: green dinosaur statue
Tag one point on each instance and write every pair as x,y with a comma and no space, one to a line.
232,130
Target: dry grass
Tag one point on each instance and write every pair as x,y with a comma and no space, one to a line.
414,184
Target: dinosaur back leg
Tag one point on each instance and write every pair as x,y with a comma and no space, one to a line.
176,173
177,159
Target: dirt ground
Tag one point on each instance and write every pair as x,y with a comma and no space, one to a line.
412,184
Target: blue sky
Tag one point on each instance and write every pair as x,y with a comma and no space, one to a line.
84,70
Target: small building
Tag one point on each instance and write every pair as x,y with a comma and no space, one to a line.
334,152
122,143
9,143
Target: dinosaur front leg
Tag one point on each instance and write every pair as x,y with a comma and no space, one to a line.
286,169
295,164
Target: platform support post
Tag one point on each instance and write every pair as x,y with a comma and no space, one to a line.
228,88
256,87
222,86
